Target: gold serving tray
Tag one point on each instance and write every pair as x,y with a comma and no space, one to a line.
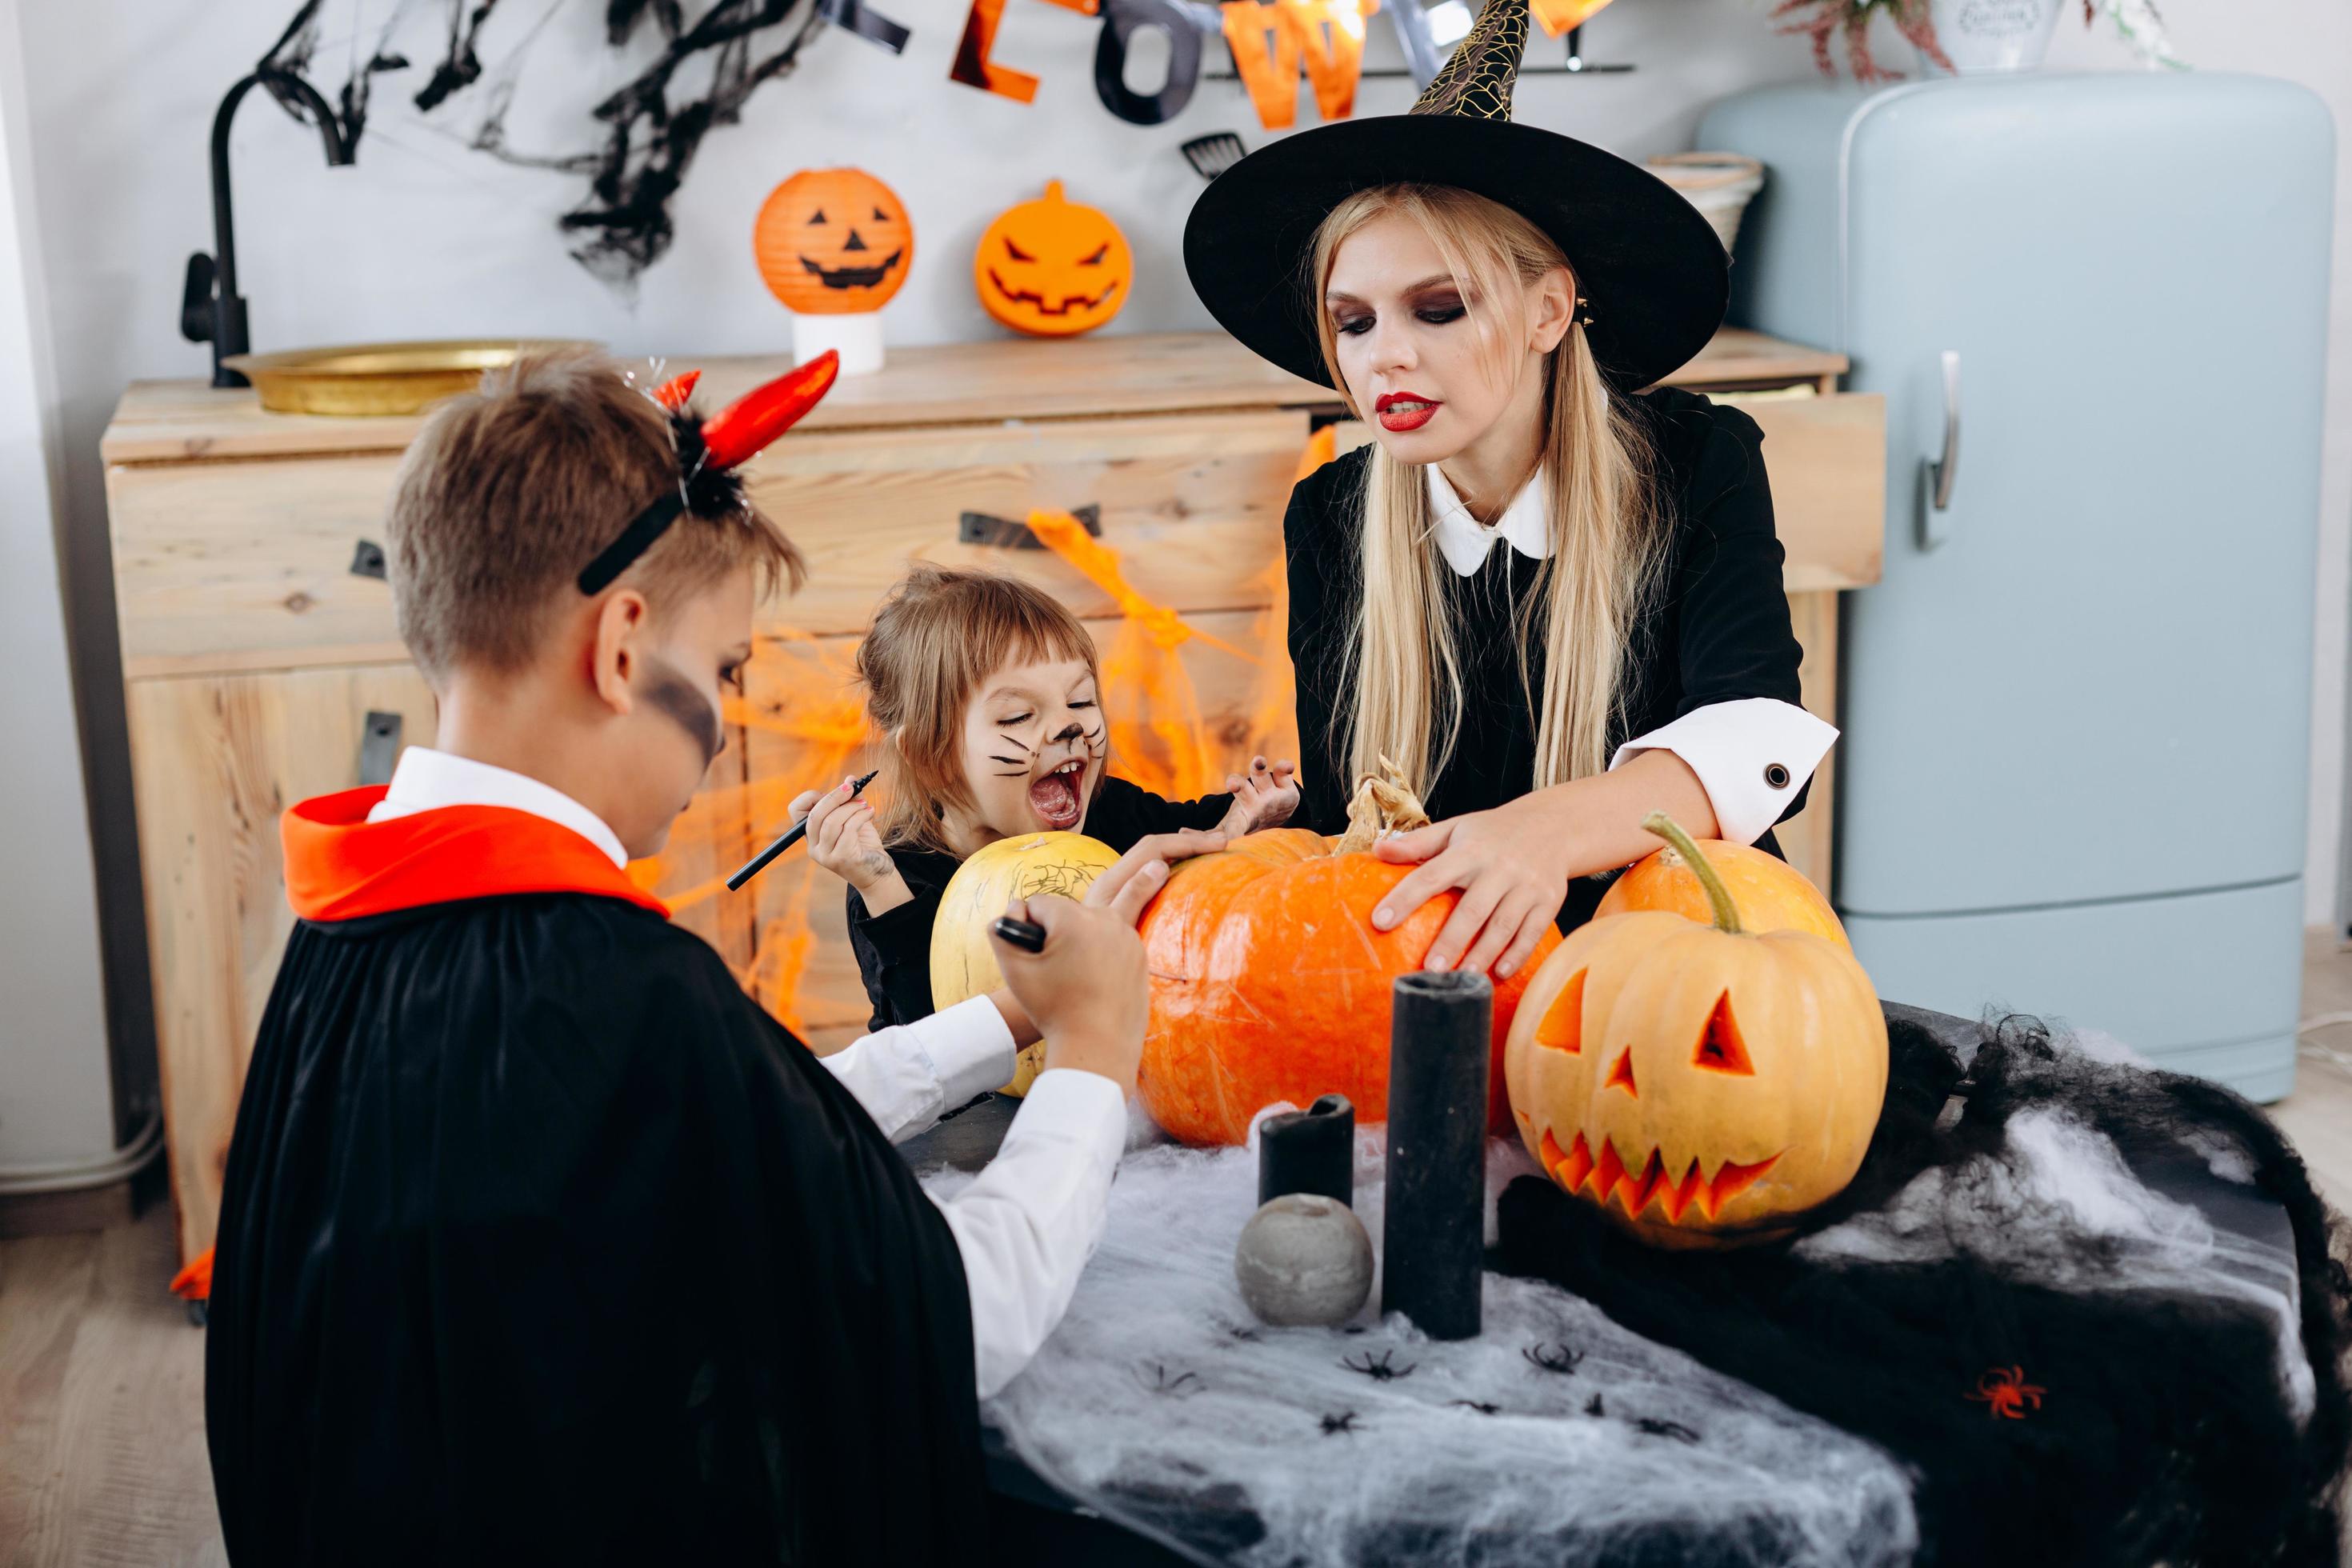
379,378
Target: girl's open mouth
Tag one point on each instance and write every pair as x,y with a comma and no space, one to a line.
1054,797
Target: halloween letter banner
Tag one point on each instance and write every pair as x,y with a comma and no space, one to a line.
1269,43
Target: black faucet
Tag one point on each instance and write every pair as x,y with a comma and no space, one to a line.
211,310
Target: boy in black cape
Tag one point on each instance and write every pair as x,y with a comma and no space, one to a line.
541,1241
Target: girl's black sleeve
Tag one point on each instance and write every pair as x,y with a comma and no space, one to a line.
1123,813
894,948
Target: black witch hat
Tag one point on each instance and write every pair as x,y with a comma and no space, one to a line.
1650,266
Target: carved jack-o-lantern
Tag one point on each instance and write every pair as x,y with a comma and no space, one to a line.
1703,1084
834,242
1053,267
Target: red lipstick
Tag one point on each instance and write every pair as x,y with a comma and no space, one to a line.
1405,410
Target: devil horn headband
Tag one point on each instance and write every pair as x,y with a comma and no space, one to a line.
710,451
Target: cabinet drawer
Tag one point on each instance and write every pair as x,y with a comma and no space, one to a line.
1191,503
1827,459
246,565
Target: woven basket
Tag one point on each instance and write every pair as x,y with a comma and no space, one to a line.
1720,184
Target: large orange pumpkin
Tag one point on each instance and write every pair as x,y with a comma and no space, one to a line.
1770,893
1703,1084
1268,982
1053,267
834,242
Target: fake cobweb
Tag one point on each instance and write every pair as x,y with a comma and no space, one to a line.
1556,1436
1562,1436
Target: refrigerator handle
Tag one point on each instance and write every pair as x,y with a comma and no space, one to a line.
1937,475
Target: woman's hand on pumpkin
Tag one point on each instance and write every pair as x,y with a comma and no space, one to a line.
1263,798
844,838
1510,865
1142,871
1086,991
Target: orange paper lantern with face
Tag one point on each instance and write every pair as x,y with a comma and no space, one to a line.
834,242
1703,1084
1053,267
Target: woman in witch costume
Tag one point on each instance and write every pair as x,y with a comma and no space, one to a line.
1550,598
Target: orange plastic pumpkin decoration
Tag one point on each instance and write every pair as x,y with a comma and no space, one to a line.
1053,267
1770,893
834,242
1268,982
1704,1084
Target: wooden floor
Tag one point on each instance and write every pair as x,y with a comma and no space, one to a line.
101,1378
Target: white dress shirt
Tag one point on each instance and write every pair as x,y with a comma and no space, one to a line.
1751,756
1027,1228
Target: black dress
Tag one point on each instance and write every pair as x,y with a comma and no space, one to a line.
1716,631
894,948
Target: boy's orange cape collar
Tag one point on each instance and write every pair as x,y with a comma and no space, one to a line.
340,865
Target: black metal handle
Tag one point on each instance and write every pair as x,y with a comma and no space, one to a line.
367,560
1004,533
378,747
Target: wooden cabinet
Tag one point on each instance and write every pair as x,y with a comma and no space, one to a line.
254,651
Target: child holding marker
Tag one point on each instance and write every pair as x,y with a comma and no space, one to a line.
987,691
539,1241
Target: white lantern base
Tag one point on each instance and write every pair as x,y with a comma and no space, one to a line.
857,339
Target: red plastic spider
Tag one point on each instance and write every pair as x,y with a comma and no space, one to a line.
2005,1392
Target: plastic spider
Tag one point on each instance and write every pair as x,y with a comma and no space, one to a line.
1553,1358
2003,1390
1333,1425
1657,1428
1378,1368
1162,1383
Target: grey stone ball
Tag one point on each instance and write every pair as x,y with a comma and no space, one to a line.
1304,1261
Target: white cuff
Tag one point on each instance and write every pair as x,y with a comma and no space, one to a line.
1751,756
907,1075
970,1046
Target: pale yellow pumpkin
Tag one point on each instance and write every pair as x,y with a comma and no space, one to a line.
964,964
1704,1085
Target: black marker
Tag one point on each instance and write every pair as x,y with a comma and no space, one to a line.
790,836
1026,935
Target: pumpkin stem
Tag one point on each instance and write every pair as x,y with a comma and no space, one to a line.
1727,913
1381,805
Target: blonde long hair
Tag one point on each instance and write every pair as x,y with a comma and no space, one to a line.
1405,696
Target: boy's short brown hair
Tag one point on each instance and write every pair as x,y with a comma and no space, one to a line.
938,636
509,490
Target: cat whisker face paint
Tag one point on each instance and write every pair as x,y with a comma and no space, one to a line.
1033,748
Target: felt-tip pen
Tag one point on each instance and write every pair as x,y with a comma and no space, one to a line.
785,840
1026,935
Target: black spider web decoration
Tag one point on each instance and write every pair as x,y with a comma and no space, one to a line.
649,129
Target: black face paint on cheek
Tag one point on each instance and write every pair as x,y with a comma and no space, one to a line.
675,695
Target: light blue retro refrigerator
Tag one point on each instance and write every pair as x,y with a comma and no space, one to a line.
2076,709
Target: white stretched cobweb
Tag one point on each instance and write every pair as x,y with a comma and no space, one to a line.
1161,1402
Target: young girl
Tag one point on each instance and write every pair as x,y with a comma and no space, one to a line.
1549,588
986,689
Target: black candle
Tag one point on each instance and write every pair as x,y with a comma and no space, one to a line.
1432,1244
1309,1151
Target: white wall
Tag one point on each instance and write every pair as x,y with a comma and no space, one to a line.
425,238
55,1107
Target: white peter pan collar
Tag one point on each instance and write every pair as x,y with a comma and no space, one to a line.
427,780
1464,542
